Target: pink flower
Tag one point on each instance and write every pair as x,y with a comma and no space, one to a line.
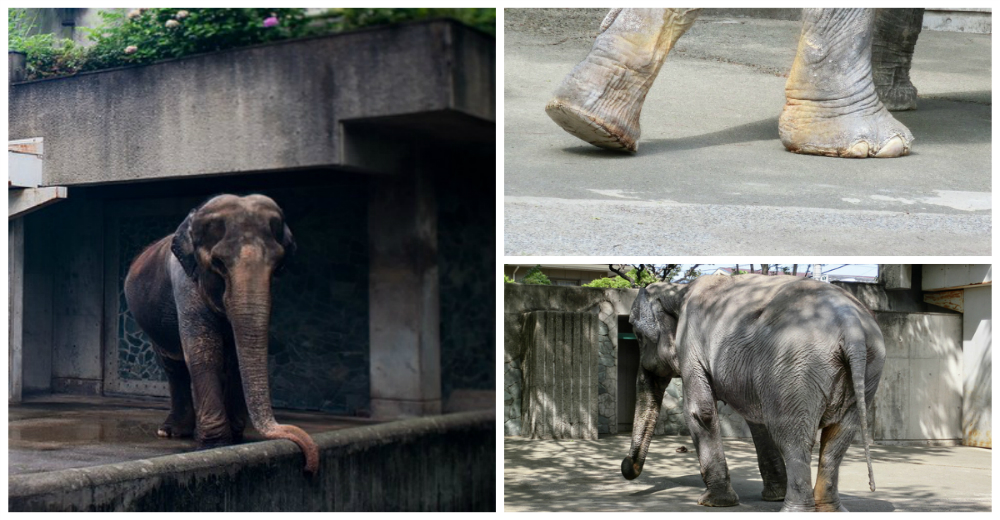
131,49
270,21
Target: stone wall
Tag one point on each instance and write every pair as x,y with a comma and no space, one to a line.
605,304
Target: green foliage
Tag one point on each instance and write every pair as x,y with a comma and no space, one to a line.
507,279
146,35
535,276
617,282
44,53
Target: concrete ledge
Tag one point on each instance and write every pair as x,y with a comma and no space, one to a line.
276,106
442,463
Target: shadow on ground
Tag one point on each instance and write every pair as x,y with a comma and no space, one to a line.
585,476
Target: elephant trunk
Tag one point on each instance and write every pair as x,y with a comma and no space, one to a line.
249,308
648,397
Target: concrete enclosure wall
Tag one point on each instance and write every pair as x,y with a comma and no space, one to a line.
444,463
560,375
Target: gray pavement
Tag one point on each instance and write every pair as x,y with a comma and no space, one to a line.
710,165
585,476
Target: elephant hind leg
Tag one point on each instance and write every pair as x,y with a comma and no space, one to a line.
180,422
772,466
834,442
896,32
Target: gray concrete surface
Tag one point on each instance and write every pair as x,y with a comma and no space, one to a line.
583,475
710,165
439,463
56,432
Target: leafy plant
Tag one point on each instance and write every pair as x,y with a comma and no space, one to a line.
617,282
146,35
535,276
507,279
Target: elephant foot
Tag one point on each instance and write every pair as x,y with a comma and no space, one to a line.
611,131
174,429
831,507
600,100
205,444
864,129
773,493
719,498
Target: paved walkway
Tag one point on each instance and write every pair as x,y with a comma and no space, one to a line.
711,176
586,476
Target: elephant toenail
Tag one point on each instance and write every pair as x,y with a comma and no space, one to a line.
894,147
857,150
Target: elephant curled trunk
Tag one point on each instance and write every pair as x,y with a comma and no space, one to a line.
649,391
249,314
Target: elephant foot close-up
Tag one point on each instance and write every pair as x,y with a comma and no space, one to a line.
601,99
719,498
824,129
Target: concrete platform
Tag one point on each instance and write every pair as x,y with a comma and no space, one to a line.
586,476
710,164
54,432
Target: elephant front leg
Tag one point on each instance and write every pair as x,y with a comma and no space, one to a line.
203,353
772,466
600,100
896,32
703,421
831,105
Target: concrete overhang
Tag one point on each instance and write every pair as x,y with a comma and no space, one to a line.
281,106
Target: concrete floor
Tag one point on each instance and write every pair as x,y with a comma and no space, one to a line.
54,432
586,476
710,164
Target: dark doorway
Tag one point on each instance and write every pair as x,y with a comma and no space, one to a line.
628,368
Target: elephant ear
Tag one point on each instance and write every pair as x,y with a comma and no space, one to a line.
642,317
183,247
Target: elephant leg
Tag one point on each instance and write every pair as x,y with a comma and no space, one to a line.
831,105
703,421
796,450
834,442
203,353
896,32
236,404
772,467
180,421
600,100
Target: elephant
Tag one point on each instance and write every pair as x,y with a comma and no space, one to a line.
851,68
791,355
203,297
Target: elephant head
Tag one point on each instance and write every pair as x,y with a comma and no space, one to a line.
232,247
654,321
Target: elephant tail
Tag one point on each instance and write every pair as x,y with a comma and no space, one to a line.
855,349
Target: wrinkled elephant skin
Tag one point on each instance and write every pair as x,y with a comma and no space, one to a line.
791,355
835,104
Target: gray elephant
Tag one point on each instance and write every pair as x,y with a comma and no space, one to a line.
203,296
791,355
838,95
